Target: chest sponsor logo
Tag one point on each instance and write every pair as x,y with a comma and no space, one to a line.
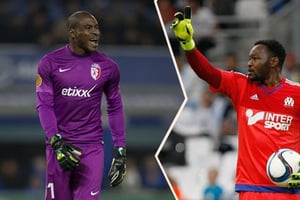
95,71
275,121
77,92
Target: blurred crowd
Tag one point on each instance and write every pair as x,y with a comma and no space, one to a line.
131,22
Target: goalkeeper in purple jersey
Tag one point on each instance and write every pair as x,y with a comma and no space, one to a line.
70,84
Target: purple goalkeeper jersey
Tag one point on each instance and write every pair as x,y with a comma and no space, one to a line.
69,96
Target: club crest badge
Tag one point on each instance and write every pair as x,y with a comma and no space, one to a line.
289,102
95,71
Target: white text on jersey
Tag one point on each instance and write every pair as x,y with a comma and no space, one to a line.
76,92
271,120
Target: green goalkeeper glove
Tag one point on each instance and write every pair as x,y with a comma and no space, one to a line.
295,181
183,29
118,169
67,154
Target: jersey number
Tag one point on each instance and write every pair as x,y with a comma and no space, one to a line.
51,187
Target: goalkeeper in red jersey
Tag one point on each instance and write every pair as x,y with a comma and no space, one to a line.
267,106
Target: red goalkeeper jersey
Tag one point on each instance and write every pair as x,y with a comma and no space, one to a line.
268,120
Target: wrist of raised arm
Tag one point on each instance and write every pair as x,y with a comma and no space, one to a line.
188,45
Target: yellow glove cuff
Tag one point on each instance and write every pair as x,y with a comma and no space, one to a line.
188,46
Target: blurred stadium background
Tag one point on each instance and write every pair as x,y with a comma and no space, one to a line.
132,36
188,157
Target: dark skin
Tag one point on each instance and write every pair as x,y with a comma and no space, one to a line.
263,67
84,33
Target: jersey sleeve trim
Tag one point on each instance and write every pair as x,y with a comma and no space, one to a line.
256,188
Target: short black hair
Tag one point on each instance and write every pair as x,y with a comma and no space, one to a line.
72,20
275,48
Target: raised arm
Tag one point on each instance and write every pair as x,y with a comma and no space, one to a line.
184,31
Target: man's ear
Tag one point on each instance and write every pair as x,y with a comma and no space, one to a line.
274,61
71,32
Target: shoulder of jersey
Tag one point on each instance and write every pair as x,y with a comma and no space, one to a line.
292,83
55,54
100,56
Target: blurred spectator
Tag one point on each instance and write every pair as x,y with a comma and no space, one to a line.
207,115
291,68
192,84
194,123
223,7
228,127
11,175
213,191
228,130
37,175
167,10
231,62
152,177
132,181
276,5
204,118
250,10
